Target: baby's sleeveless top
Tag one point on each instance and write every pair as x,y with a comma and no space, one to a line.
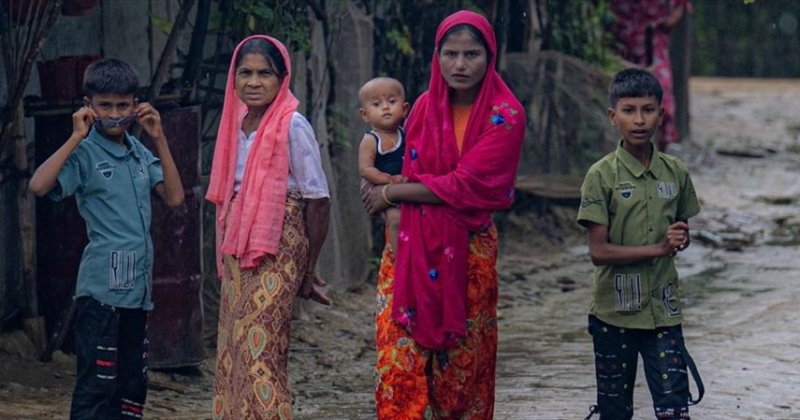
390,161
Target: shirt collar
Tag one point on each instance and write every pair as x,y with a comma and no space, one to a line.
634,166
114,149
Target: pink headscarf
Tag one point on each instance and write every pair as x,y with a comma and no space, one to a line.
431,268
256,220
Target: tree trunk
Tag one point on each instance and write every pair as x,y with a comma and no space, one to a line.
25,209
680,57
33,323
340,62
196,48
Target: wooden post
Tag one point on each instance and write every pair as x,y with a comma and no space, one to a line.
680,57
32,322
21,45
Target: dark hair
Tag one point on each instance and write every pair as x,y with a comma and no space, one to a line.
634,83
110,76
268,50
476,35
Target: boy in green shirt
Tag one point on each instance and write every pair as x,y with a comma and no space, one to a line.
635,205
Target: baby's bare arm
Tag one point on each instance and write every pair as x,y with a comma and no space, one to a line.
367,151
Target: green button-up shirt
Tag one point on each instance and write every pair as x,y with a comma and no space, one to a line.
637,204
112,185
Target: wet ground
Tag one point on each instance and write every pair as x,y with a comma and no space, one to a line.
740,291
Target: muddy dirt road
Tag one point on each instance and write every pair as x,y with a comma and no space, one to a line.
740,285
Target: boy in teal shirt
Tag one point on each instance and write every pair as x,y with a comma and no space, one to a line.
635,205
112,176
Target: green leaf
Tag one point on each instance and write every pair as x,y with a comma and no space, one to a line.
264,12
164,25
251,23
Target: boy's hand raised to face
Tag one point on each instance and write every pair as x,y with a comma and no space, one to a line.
150,120
82,121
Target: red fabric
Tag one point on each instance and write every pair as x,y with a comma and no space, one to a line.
430,283
254,228
633,17
458,383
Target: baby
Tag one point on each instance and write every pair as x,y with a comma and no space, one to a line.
380,154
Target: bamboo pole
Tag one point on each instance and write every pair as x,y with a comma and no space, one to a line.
24,41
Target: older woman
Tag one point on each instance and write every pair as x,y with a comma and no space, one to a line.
272,217
436,321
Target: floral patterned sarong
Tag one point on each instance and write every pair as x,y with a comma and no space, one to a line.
418,383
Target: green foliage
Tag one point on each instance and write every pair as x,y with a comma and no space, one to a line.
577,28
405,35
163,24
286,20
340,137
401,40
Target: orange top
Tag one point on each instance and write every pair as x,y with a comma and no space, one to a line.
460,119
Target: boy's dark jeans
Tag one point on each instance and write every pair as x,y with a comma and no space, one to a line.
111,350
616,355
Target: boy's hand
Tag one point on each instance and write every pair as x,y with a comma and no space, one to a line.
82,121
150,120
677,238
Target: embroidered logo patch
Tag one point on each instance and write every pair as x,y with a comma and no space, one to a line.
628,291
106,169
625,190
590,201
669,300
666,189
121,270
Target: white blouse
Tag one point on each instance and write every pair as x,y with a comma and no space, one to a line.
305,164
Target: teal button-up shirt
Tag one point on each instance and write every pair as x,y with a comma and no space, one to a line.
112,185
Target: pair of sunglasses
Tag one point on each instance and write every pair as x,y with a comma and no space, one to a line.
109,123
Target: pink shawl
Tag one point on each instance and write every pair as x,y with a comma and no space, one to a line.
431,268
256,219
